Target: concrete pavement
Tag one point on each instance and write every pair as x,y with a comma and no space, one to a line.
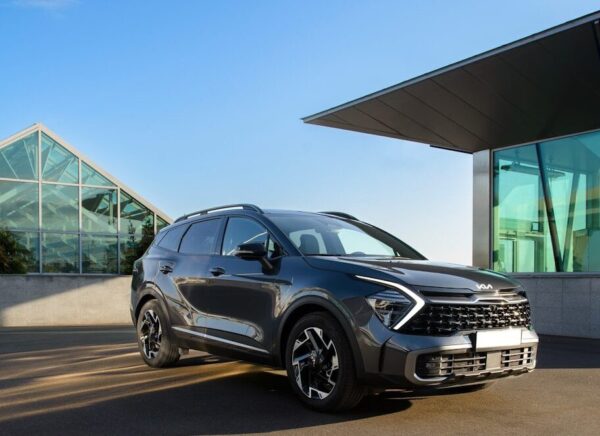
92,381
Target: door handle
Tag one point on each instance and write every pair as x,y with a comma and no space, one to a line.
217,271
166,268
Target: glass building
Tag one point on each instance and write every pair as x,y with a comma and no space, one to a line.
546,206
60,213
528,113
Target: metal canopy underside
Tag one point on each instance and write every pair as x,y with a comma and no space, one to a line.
542,86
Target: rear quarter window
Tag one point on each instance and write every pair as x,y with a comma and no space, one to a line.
172,238
201,238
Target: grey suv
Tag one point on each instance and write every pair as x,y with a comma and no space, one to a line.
342,305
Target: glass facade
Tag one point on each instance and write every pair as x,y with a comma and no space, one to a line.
546,206
58,214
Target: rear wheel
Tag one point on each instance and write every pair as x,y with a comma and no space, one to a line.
154,339
320,364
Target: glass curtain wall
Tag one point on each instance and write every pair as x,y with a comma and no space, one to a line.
59,215
546,206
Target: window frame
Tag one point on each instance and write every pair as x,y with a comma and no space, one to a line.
220,234
180,239
269,234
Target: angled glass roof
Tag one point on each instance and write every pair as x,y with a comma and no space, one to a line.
65,213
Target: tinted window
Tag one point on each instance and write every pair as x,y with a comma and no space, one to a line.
242,231
200,238
171,239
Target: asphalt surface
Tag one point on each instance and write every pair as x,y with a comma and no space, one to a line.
92,381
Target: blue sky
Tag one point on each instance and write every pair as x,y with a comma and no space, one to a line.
197,103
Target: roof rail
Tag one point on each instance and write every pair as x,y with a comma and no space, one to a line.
341,215
213,209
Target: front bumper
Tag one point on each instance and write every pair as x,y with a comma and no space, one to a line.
412,361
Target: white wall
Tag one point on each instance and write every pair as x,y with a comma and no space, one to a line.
564,305
64,300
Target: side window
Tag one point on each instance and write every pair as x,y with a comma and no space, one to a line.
201,238
242,231
171,239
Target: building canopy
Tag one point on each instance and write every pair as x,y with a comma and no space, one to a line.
543,86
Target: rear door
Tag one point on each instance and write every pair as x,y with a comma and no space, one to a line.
190,274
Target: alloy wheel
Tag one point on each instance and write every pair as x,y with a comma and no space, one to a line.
315,362
150,334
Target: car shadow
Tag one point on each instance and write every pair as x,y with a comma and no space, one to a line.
247,402
108,389
556,352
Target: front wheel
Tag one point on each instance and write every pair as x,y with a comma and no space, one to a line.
320,364
154,340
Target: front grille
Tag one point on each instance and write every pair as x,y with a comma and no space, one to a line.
445,365
517,357
446,319
472,363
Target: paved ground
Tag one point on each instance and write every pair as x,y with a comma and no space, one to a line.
94,382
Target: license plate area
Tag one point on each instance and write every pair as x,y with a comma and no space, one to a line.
500,339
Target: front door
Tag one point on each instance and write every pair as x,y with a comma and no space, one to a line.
242,294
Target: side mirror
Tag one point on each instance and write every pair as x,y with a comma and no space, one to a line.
252,251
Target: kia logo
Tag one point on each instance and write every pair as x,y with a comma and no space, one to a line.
483,286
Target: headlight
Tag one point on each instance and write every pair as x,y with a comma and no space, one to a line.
390,306
394,306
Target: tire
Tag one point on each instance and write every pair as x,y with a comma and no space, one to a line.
155,342
320,385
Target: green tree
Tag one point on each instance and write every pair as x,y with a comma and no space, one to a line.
14,256
135,247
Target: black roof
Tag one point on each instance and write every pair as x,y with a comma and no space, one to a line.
539,87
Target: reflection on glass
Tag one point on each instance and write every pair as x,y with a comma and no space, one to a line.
99,210
134,216
60,253
19,252
18,205
19,160
133,247
160,223
90,176
99,254
60,209
58,164
547,206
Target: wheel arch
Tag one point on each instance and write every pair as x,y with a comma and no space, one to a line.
312,304
146,295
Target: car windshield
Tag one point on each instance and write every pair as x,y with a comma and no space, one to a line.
320,235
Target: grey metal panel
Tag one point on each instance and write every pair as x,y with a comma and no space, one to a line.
517,90
482,244
405,103
358,116
410,128
478,94
342,125
457,109
544,86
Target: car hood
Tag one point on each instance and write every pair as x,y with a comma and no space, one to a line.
422,273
